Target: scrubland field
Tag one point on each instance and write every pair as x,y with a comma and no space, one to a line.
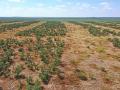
60,54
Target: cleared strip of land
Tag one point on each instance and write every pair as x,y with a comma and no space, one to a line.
11,33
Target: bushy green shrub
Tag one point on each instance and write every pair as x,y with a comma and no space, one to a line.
18,71
45,76
81,74
116,42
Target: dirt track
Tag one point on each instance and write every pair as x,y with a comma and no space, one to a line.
93,55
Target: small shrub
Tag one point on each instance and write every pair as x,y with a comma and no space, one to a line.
37,85
45,76
116,42
18,70
81,74
21,50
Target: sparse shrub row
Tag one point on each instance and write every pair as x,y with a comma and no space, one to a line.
51,50
4,28
97,31
32,85
106,24
5,58
116,42
51,56
102,32
79,23
10,42
46,29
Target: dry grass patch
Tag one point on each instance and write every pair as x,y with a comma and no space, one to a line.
81,74
100,49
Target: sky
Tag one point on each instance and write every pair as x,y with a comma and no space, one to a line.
59,8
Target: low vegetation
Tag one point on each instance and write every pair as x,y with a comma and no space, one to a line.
48,46
81,74
45,54
116,42
6,27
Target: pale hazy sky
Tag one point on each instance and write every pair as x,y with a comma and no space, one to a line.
60,8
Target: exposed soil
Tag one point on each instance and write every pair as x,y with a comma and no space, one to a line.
11,33
104,27
94,55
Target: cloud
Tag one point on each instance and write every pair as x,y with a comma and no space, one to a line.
105,6
67,9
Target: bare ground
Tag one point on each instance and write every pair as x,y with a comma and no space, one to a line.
11,33
96,56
